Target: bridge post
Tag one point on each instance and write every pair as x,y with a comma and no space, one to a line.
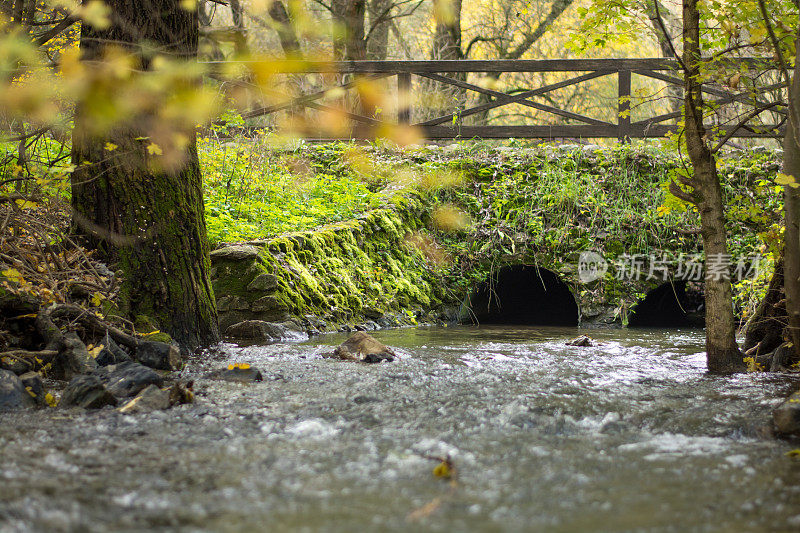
624,105
404,97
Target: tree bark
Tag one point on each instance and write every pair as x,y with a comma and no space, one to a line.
348,41
286,31
722,352
663,22
380,22
791,198
149,222
446,44
240,32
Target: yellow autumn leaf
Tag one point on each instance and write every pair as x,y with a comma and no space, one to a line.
188,5
50,400
151,333
26,204
663,210
13,275
783,179
240,366
442,470
94,351
111,146
97,299
30,391
154,149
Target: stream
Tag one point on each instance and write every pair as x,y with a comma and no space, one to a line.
628,435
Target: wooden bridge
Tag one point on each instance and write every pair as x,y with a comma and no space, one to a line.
760,108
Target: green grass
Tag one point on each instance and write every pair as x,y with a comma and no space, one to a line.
253,192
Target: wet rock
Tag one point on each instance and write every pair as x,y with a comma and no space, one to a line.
787,416
32,382
73,359
112,353
270,305
256,330
240,373
363,347
265,331
180,394
150,399
583,340
232,303
239,252
263,282
87,392
159,355
373,312
12,392
127,379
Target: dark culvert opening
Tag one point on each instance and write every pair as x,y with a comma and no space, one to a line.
523,295
670,305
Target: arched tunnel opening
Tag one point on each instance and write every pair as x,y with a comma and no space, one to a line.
674,304
523,295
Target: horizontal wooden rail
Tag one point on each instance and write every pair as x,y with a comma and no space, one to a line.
453,73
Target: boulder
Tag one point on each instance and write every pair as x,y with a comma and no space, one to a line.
258,330
583,341
87,392
263,282
239,372
365,348
150,399
238,252
112,353
787,416
32,381
12,392
159,355
73,359
232,303
127,379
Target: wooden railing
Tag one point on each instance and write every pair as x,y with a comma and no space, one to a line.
452,124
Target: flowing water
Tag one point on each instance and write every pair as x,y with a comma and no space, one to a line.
629,435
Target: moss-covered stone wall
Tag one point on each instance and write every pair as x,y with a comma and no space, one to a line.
362,271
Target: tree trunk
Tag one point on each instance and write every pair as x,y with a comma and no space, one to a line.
722,352
286,31
348,18
791,198
664,24
445,99
240,32
149,222
380,22
765,328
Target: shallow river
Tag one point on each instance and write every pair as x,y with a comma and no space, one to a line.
630,435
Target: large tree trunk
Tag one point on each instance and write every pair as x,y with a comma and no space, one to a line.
380,22
722,353
149,222
348,41
287,34
791,198
239,32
